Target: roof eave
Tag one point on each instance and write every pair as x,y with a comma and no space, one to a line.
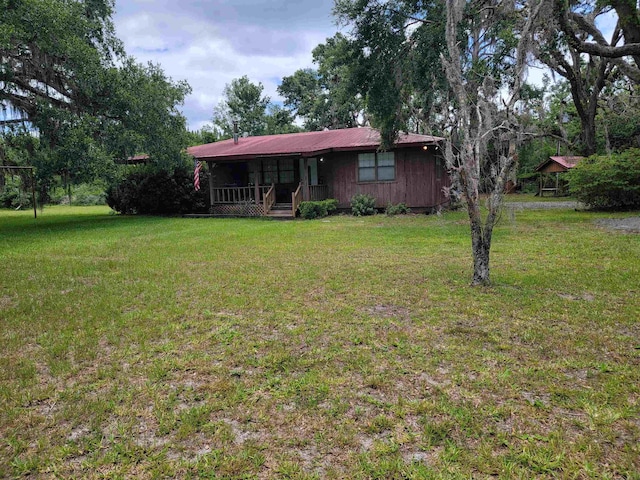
314,153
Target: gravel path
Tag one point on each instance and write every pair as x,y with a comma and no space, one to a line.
542,205
629,224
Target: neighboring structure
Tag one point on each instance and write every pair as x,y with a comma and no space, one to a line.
554,165
271,175
137,159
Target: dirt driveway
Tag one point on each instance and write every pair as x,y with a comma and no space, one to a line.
629,224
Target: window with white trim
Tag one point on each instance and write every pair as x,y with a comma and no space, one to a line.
376,167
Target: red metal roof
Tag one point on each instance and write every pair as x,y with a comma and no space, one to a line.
307,144
566,162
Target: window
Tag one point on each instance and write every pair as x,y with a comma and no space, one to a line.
376,167
285,170
270,171
278,170
367,167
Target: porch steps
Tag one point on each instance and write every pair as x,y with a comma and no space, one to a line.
280,210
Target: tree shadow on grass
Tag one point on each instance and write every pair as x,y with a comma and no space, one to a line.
16,228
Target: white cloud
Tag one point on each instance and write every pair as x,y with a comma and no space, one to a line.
210,46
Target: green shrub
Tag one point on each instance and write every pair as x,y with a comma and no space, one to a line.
158,192
607,181
332,205
81,194
363,204
13,194
311,210
87,194
399,209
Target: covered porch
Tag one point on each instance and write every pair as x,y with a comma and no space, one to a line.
268,186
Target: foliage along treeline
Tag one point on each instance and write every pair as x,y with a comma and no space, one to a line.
78,103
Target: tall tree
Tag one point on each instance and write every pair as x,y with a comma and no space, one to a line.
206,134
586,73
53,52
619,118
142,115
245,103
573,45
482,47
399,72
477,118
304,97
578,22
64,72
280,120
329,96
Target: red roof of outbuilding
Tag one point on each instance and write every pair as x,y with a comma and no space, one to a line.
138,158
566,162
305,144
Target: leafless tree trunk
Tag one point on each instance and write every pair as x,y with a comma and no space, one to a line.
483,115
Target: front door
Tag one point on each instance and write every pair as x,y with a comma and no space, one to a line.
312,172
281,172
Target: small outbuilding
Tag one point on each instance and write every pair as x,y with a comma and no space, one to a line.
550,173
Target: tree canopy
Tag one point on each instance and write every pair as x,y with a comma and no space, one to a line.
56,53
254,113
329,96
65,74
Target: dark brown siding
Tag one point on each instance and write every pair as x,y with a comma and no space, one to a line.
417,181
553,167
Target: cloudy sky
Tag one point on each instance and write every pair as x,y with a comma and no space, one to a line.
209,43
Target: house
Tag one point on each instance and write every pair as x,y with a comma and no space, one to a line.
555,165
272,174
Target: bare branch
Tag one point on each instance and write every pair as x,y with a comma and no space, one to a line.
601,48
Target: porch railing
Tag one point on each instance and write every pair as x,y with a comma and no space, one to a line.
232,194
235,195
269,198
318,192
296,199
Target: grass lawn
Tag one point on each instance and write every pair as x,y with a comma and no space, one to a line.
139,347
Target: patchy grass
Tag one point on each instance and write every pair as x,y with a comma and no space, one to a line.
342,348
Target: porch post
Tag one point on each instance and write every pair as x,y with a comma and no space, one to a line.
540,185
210,166
256,181
305,180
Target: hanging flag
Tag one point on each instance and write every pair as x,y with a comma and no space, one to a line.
196,175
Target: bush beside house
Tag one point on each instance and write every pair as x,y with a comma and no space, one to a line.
399,209
158,192
362,205
317,209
